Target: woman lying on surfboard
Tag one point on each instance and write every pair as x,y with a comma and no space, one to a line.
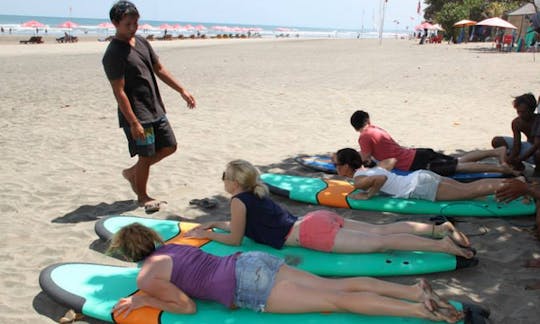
171,275
420,184
258,217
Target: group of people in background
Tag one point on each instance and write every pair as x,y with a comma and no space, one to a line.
168,272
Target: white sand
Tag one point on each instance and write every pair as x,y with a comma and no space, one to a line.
261,100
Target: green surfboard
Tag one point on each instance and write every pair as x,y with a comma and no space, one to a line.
335,193
391,263
94,289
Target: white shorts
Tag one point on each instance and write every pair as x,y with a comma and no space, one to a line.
427,185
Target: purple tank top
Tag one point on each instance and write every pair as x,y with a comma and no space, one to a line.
202,275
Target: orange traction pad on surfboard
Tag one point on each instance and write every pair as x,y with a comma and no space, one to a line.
335,194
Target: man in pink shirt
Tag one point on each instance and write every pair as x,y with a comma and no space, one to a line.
377,143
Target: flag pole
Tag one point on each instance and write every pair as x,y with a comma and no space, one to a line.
381,25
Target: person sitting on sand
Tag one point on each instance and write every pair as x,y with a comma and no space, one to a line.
171,275
528,124
377,143
420,184
255,215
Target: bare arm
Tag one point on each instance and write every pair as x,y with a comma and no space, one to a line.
388,164
167,77
159,291
371,184
532,150
137,131
236,227
516,145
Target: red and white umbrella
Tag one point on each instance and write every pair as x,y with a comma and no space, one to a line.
424,25
166,26
199,27
145,27
68,24
32,24
496,22
106,25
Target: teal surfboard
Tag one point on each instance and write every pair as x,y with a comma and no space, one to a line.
391,263
335,193
93,290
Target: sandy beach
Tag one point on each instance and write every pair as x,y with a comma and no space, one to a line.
263,100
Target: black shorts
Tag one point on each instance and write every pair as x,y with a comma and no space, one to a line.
439,163
158,135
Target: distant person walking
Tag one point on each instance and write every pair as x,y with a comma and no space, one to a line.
131,65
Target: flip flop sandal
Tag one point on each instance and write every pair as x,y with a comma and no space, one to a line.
206,203
154,206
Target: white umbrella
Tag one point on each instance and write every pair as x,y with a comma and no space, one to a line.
496,22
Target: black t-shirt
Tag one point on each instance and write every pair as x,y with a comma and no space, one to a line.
135,65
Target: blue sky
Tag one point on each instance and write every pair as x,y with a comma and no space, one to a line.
340,14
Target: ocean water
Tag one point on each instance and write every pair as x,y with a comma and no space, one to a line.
89,26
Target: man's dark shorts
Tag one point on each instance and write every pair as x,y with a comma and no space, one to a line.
439,163
158,135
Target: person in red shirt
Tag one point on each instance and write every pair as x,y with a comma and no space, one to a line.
376,143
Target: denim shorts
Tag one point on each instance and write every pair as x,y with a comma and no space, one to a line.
525,146
427,185
255,276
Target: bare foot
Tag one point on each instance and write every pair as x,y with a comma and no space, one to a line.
448,229
429,294
506,169
129,175
453,248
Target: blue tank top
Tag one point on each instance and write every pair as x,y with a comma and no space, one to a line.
266,222
202,275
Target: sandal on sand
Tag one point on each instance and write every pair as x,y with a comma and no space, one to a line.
206,203
153,206
70,317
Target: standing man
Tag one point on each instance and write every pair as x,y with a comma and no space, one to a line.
131,65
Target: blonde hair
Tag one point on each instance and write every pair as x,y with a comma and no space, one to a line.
135,242
247,176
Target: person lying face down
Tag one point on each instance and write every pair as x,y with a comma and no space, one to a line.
420,184
172,274
255,215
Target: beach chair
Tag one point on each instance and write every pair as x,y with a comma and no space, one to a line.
32,40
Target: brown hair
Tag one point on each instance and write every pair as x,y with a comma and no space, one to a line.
135,242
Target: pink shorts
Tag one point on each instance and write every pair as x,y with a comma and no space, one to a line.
318,230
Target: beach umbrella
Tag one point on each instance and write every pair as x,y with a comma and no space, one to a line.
68,24
166,26
32,24
106,25
437,27
189,27
424,25
464,22
283,29
145,27
199,27
496,22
